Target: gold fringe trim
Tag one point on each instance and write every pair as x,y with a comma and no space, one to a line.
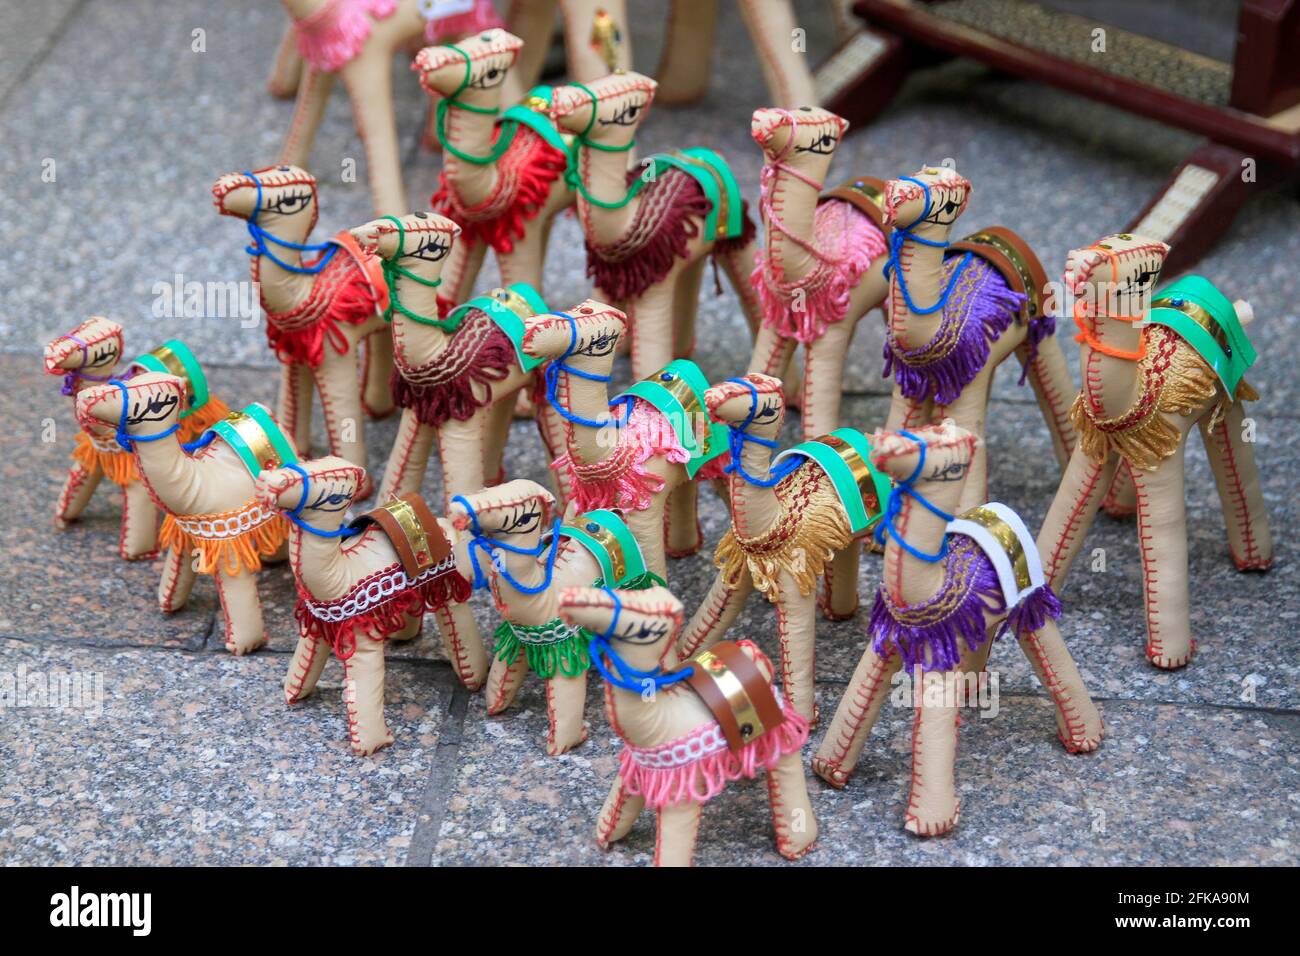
117,466
213,411
1187,385
231,555
811,527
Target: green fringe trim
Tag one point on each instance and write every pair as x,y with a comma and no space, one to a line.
640,583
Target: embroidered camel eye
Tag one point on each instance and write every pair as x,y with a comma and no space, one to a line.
432,247
627,115
492,77
824,145
602,344
289,204
766,413
952,471
331,501
644,633
522,522
154,409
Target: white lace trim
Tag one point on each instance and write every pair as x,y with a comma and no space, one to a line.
218,528
379,591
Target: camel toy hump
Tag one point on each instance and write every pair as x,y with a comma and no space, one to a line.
1207,321
736,691
864,193
253,435
1011,256
509,308
1004,539
846,457
677,391
415,534
605,535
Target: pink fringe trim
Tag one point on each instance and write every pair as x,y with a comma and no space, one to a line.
702,778
334,34
850,241
482,17
621,480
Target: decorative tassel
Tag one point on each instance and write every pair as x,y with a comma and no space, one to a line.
117,466
201,419
620,479
483,16
458,381
233,554
341,293
810,529
981,307
334,34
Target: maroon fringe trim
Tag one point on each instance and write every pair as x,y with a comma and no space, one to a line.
455,398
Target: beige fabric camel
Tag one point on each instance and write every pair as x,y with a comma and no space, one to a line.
503,176
785,534
456,376
367,585
1144,388
528,559
821,268
639,455
679,752
214,525
317,311
950,588
957,311
651,231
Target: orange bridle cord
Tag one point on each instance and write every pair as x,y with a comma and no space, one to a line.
1088,334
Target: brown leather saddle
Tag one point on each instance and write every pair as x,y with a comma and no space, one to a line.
735,691
1015,261
866,194
414,531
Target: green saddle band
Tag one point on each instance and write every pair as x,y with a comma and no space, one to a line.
845,456
711,171
609,540
533,112
1207,321
508,308
174,357
677,390
256,439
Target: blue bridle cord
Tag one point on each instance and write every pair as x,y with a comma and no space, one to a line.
556,366
488,545
261,237
296,514
901,234
895,506
621,673
738,436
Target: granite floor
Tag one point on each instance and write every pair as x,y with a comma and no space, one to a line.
177,752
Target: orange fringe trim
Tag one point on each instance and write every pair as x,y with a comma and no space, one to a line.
214,411
117,466
242,552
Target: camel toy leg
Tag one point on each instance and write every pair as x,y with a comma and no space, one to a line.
463,644
496,434
1049,377
970,411
792,816
462,269
503,683
1162,538
796,624
647,526
341,405
586,62
78,488
618,814
293,413
138,539
243,609
686,303
855,716
839,597
1232,459
176,581
309,659
408,459
363,694
721,606
460,449
314,88
683,71
533,21
933,808
677,828
905,412
1078,721
1072,512
377,374
652,323
286,69
685,536
1121,499
737,264
566,699
823,379
772,353
368,79
771,25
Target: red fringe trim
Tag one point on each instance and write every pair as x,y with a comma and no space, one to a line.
297,338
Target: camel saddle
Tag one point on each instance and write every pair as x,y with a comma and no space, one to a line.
414,531
1015,261
174,357
845,455
735,691
866,194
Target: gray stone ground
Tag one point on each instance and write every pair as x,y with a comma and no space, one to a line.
194,758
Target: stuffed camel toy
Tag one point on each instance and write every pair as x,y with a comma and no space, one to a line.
641,451
688,730
365,583
793,520
528,559
89,354
456,377
502,178
821,267
214,524
651,230
318,311
957,310
1148,378
952,585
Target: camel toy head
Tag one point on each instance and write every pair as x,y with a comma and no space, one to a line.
732,403
621,103
933,195
1118,272
92,350
948,450
593,333
418,238
287,196
443,69
517,512
644,623
331,486
808,134
153,404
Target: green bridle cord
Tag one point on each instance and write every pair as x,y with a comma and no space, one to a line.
574,178
392,270
504,138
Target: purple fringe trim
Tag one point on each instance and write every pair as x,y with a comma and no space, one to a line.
982,314
1032,612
